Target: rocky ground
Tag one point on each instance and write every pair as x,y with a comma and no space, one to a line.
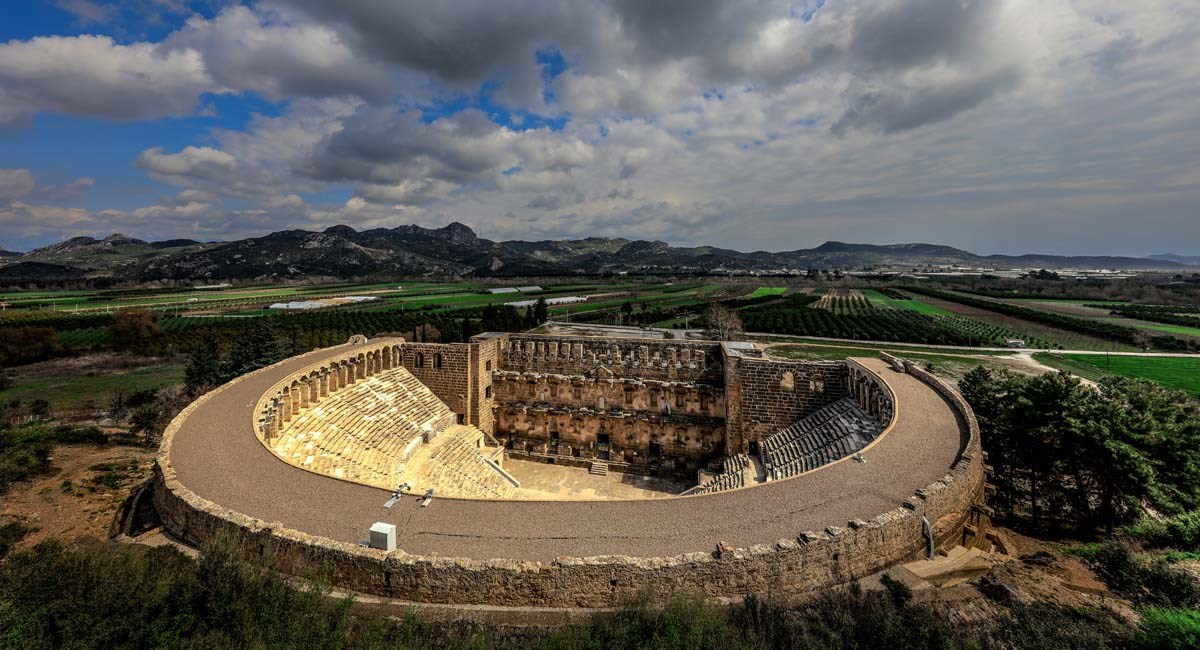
1033,571
80,495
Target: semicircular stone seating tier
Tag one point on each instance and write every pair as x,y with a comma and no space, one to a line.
369,420
832,432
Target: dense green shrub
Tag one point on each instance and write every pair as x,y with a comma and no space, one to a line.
97,595
93,594
1183,530
1086,551
1180,532
1169,629
1045,625
25,451
1145,581
10,534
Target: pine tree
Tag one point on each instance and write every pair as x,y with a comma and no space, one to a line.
255,348
204,368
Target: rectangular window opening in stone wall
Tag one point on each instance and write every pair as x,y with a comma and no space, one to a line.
788,382
487,392
420,362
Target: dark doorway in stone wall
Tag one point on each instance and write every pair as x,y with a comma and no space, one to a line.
655,451
753,447
602,446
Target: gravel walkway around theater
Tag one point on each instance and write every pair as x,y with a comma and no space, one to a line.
216,455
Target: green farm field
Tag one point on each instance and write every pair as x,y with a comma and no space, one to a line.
1179,373
913,304
762,292
1182,330
192,299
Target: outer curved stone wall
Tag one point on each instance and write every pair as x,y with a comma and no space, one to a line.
793,566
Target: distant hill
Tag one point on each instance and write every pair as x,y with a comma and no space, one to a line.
174,243
35,272
1190,260
114,256
455,250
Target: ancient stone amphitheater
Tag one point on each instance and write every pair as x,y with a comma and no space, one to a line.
788,476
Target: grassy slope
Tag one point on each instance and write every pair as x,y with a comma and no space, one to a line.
875,346
68,390
816,351
948,366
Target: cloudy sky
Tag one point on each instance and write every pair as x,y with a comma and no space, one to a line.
1000,126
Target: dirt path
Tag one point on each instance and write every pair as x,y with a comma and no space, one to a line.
1035,367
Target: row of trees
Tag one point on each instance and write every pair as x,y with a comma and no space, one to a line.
1185,316
20,345
259,345
1149,289
1069,455
792,316
1098,329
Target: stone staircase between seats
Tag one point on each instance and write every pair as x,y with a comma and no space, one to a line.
830,433
737,472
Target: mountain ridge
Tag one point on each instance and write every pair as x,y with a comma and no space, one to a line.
341,251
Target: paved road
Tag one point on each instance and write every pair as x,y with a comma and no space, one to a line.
216,455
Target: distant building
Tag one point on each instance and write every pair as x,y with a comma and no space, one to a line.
1014,343
300,305
503,290
564,300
